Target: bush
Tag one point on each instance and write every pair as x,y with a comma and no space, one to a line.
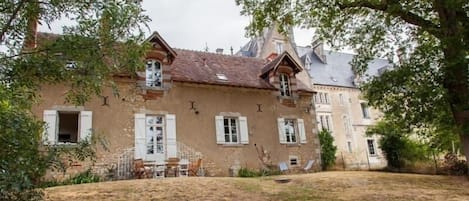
246,172
454,166
328,149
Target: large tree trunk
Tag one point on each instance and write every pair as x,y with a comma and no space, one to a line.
455,68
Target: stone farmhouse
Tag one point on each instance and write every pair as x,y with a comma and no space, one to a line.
229,111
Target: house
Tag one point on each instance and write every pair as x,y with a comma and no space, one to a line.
230,111
339,105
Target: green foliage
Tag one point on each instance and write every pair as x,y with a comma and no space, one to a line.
84,177
328,149
246,172
105,37
398,147
426,85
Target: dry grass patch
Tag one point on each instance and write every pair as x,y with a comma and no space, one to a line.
318,186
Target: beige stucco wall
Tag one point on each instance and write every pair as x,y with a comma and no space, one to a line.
116,121
359,157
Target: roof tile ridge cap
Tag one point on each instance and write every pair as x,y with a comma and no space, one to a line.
214,53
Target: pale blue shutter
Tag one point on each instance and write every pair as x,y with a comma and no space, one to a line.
301,130
171,143
86,125
243,127
139,136
219,130
50,127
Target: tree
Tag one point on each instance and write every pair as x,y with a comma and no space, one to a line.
103,37
429,34
328,149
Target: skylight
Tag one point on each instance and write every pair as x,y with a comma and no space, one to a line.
222,77
333,79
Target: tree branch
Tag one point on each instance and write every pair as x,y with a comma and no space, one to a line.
394,8
10,20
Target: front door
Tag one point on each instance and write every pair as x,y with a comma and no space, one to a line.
155,146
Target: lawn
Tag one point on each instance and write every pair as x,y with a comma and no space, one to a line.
317,186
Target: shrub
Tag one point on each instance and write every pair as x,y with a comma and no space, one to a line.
246,172
328,149
84,177
454,166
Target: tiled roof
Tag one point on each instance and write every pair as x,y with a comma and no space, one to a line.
203,67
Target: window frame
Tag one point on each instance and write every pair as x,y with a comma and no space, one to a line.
293,138
78,125
285,85
230,134
151,83
325,121
279,47
163,133
371,147
365,110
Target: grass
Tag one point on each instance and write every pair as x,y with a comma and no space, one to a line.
317,186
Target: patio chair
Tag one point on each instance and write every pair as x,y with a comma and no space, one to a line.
194,167
140,171
283,167
183,168
309,165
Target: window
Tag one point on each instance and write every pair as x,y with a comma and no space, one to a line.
293,160
154,74
231,130
230,125
325,122
67,126
347,126
290,130
341,99
279,47
154,135
365,110
284,85
307,63
371,146
349,146
322,98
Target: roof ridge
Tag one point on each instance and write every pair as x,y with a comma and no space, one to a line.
217,54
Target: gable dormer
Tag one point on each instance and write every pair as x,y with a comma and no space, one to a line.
156,78
281,73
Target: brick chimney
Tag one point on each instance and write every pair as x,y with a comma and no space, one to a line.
219,50
30,41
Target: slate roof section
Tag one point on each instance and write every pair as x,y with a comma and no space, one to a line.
337,71
203,67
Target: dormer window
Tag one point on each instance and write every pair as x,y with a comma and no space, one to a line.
284,85
154,74
279,47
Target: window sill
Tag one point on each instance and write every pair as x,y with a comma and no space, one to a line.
293,144
232,145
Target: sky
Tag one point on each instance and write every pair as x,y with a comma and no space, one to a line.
195,24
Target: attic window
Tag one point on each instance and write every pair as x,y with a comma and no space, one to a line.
222,77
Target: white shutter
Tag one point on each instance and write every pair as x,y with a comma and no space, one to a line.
219,129
139,136
86,125
243,127
50,130
171,145
281,130
301,130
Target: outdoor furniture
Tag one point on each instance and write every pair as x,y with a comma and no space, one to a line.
159,170
140,171
183,168
194,167
283,166
308,166
172,167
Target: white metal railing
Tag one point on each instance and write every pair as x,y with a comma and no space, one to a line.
125,164
186,152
